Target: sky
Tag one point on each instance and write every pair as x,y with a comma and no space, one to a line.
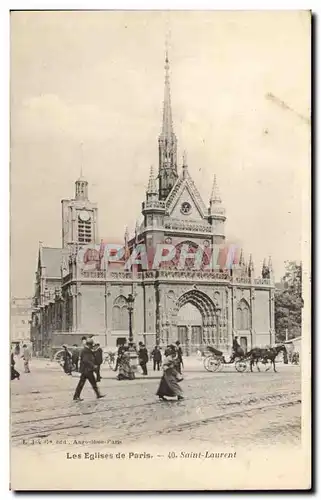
97,79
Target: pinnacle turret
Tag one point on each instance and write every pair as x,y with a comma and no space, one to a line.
251,266
152,186
241,260
215,205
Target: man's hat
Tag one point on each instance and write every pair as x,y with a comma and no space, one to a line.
90,341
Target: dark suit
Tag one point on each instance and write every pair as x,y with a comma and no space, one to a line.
98,361
143,359
87,368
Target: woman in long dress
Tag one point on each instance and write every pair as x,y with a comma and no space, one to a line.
169,384
124,370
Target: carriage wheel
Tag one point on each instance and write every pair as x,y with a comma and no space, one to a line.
240,365
212,364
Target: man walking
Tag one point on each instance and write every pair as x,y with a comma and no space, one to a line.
26,356
98,352
143,357
87,369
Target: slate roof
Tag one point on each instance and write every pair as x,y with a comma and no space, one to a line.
51,260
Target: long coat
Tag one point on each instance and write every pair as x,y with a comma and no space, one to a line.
87,361
143,355
98,353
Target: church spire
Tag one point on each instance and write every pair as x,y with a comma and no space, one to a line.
167,142
167,125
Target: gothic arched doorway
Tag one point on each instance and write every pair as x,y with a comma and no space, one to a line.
197,321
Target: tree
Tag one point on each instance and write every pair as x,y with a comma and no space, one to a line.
289,303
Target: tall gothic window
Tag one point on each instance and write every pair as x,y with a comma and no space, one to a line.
243,316
120,314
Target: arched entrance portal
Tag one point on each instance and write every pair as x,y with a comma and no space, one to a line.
197,321
189,325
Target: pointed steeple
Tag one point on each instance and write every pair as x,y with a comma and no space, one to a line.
215,195
251,267
270,266
152,186
241,261
265,270
167,142
167,125
215,200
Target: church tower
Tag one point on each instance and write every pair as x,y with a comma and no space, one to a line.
79,217
167,143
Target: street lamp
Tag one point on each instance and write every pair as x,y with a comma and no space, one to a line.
133,358
130,306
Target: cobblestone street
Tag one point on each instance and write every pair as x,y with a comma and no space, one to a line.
227,408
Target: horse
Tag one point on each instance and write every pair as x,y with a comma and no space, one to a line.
264,354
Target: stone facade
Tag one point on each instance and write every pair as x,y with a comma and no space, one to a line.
197,306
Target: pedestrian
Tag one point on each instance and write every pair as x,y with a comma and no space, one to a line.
169,384
26,356
121,349
75,357
143,357
14,373
98,360
87,369
156,357
179,356
66,360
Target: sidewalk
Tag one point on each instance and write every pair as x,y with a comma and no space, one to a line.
192,365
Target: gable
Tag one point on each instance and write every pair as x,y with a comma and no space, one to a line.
185,187
185,206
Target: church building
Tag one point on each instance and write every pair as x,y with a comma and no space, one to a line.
199,307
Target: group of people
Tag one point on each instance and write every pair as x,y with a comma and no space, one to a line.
123,359
26,356
172,367
71,360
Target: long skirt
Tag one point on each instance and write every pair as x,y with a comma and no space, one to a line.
124,371
14,373
169,385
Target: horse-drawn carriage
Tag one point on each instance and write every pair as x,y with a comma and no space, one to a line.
215,361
